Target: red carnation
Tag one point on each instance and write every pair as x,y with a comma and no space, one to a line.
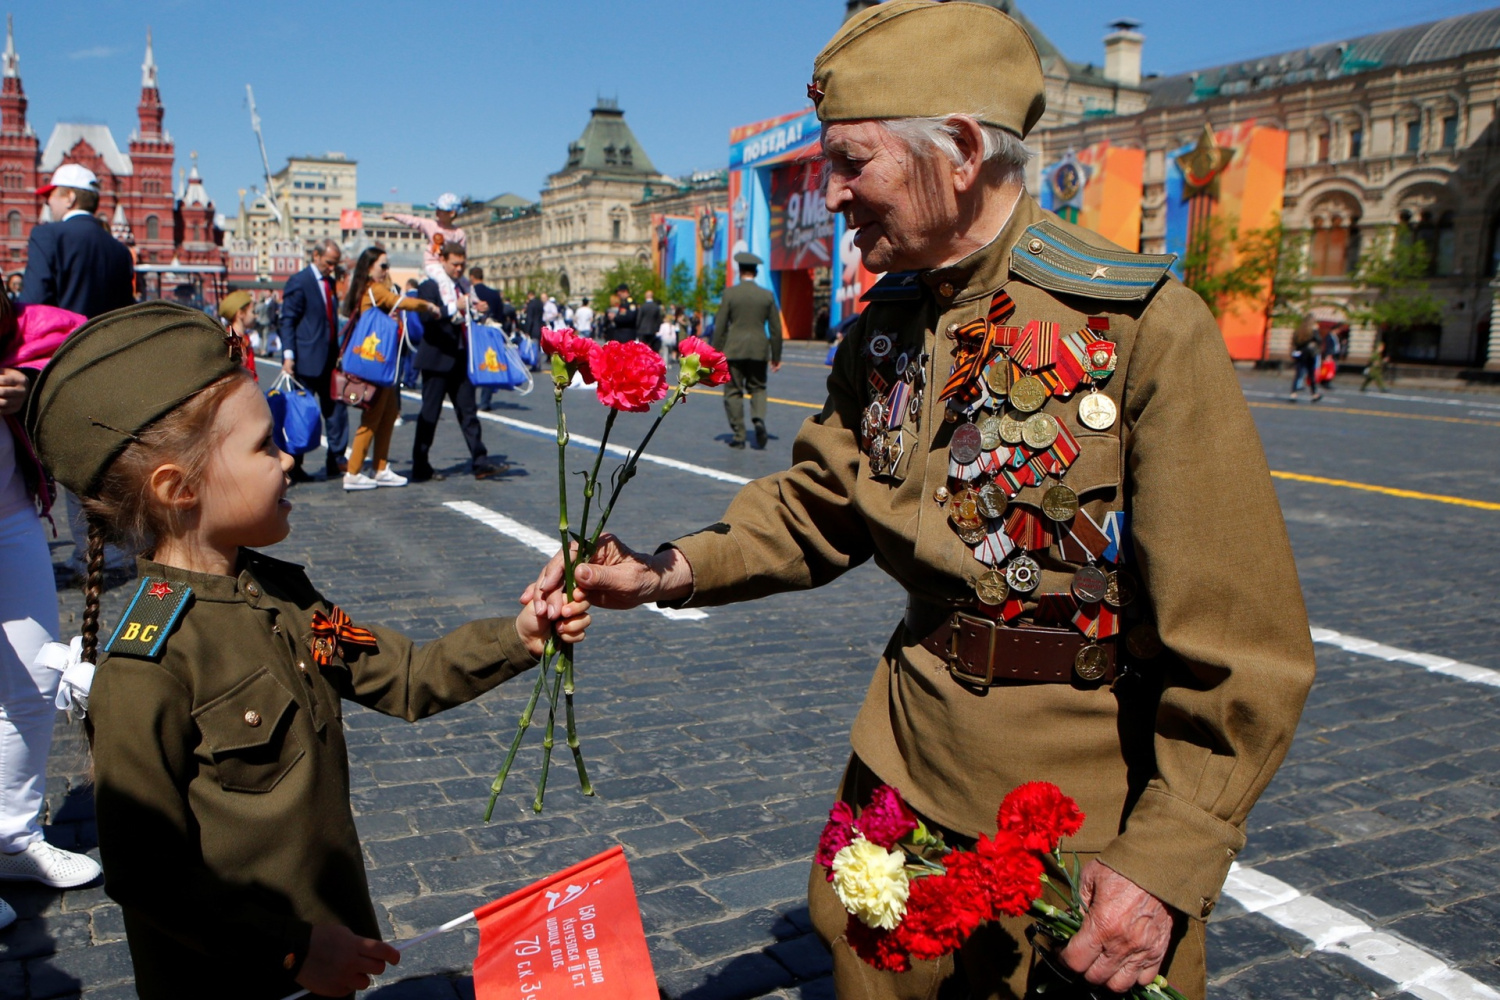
713,368
1011,874
886,819
943,910
879,948
631,376
1040,814
575,350
837,835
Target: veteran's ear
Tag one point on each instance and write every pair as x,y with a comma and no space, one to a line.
969,138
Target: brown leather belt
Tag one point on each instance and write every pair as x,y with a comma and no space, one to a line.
983,652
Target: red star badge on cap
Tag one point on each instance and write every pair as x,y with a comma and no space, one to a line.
160,590
815,93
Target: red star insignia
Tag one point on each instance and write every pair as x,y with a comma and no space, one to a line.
160,590
815,93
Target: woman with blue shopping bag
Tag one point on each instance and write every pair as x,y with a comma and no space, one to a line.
373,353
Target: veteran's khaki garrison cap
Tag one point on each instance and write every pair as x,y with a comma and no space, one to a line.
115,376
920,59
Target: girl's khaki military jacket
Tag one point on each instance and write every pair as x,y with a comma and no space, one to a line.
1166,767
222,778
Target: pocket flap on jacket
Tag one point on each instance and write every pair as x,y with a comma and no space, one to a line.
248,715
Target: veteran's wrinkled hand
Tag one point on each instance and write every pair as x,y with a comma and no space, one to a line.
619,577
1124,935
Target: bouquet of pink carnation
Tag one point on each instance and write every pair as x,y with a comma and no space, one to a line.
628,377
911,896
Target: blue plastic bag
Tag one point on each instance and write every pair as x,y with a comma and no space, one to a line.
297,415
526,349
372,351
412,325
493,362
833,349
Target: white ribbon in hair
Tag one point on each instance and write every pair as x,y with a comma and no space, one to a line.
77,675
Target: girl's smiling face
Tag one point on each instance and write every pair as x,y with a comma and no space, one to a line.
242,496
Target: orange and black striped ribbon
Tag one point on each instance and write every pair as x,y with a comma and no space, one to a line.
338,629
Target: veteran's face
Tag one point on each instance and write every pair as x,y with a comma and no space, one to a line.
900,206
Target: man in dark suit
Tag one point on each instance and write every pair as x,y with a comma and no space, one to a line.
309,348
623,327
648,321
443,360
74,263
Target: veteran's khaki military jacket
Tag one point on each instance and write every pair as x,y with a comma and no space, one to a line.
1166,769
221,778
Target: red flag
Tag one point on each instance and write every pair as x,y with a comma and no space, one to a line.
576,934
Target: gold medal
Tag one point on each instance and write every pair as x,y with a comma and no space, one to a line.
992,501
989,432
971,535
1096,411
1091,663
1119,589
1023,574
991,588
1060,503
963,508
1090,584
1039,431
997,377
1011,430
1028,394
1143,642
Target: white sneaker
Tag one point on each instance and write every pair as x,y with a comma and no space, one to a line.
7,915
41,862
385,477
358,481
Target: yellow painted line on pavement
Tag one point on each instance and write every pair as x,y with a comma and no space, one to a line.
1387,490
794,402
1385,413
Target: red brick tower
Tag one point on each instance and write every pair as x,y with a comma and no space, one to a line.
18,159
148,200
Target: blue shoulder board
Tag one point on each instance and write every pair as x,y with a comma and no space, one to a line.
1048,256
900,286
149,619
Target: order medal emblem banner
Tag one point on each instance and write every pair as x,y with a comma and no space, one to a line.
576,934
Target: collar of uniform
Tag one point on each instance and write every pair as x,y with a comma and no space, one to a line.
208,586
987,268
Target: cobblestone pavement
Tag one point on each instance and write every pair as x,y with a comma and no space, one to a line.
716,744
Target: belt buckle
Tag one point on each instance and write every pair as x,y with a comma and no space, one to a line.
954,663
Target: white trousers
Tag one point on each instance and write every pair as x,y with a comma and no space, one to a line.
28,616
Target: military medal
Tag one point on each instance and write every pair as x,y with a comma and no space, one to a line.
991,588
992,501
1010,430
880,346
1143,642
1039,431
902,360
989,432
1096,411
1119,590
965,445
1090,584
997,377
1060,503
1091,663
1028,394
1023,574
1099,359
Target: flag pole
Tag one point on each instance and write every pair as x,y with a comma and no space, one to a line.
453,924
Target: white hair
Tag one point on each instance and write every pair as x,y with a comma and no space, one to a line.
1004,152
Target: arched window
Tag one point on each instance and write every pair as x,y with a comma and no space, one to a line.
13,225
1335,237
153,228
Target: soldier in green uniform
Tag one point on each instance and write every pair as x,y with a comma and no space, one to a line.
221,779
746,312
1041,438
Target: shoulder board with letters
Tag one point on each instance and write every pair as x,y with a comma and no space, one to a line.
899,286
149,619
1051,258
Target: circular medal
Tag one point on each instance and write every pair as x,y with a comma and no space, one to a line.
1090,584
965,444
1060,503
1120,590
1039,431
991,588
1028,394
963,509
1023,574
1011,430
877,454
1096,411
1143,642
997,377
902,360
971,535
1091,663
950,416
880,346
989,432
992,501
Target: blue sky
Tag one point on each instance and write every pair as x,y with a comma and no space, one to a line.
482,98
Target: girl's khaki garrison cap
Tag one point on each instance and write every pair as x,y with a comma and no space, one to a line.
115,376
919,59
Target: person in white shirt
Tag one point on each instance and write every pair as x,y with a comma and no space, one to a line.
549,311
666,335
583,319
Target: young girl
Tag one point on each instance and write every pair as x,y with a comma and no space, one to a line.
439,232
221,779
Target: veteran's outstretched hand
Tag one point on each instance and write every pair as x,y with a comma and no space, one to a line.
1124,935
620,577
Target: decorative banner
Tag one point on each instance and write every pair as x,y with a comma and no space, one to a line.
697,243
575,934
351,220
1099,188
801,228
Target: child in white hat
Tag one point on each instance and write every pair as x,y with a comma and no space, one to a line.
439,232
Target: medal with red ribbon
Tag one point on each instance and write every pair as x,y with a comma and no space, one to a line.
336,629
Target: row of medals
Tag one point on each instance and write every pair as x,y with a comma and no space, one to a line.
973,505
880,427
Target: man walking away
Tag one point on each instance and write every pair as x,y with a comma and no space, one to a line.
310,349
583,320
746,312
443,360
648,322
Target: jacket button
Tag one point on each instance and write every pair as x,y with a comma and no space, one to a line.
1208,907
289,961
252,718
946,289
252,590
1035,246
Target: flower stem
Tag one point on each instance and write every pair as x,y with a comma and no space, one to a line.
627,471
591,484
541,785
515,744
583,775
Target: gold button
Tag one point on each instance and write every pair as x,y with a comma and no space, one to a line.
252,590
940,495
952,327
1208,907
1035,246
289,961
252,718
946,289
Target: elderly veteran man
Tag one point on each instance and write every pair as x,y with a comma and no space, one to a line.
1041,438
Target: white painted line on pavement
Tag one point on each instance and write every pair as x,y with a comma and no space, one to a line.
1436,664
548,546
1391,397
1332,930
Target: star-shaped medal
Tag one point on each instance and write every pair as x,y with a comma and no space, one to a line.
160,590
